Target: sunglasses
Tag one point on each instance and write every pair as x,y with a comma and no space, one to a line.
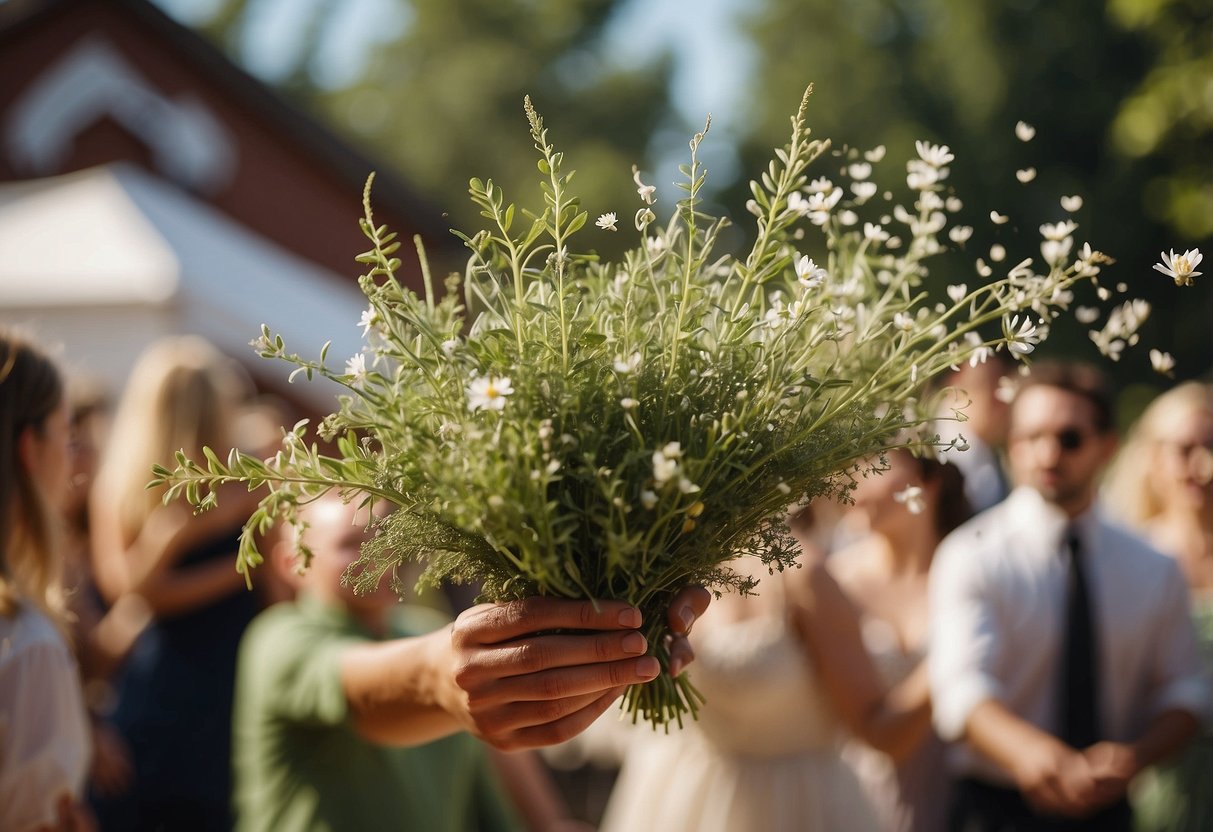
1068,439
1071,439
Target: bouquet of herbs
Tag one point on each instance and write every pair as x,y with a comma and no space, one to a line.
555,424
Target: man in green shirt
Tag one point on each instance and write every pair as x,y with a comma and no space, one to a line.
350,710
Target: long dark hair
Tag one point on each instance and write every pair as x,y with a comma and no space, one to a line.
31,388
951,506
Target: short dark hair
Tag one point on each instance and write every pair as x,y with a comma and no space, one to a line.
1078,378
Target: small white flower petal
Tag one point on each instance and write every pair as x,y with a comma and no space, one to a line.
1024,131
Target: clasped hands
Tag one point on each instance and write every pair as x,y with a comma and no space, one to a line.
1060,780
518,684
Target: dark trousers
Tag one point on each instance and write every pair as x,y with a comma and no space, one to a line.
980,807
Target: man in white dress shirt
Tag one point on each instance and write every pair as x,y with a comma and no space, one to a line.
1002,649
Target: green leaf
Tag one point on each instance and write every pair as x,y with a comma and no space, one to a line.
577,222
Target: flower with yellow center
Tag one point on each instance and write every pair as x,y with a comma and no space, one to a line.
488,393
1181,268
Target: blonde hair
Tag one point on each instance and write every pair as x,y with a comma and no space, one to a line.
1128,489
181,395
31,389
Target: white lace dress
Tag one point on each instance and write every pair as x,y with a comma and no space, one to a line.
764,755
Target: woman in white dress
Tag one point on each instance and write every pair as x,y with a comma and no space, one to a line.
907,511
787,681
44,735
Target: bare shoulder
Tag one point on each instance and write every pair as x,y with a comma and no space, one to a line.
854,566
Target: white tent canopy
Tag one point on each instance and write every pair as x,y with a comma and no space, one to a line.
104,261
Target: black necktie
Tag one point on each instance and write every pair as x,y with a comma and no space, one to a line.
1079,723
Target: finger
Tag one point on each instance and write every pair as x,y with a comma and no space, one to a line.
514,716
566,728
495,623
681,654
687,607
568,681
539,653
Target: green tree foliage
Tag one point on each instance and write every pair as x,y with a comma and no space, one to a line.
1121,94
442,102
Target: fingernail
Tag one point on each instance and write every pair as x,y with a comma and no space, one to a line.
688,618
630,617
634,643
648,667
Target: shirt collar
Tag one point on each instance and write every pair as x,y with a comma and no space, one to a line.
1032,511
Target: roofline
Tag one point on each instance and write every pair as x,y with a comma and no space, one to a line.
316,138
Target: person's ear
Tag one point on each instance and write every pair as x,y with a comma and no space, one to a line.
285,560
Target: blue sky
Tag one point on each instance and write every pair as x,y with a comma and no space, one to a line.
711,63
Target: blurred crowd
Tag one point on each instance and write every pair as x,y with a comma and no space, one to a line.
1016,635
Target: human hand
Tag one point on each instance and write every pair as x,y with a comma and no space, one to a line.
686,608
1113,765
112,771
516,683
1056,779
71,816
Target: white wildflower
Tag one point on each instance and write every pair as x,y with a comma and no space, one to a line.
355,368
875,154
488,393
848,217
859,170
874,233
1025,175
1163,362
797,203
665,468
1086,314
607,221
369,318
1024,131
646,191
1070,204
686,486
1021,338
627,365
934,155
997,218
903,321
820,185
953,204
863,190
960,234
957,292
911,497
997,253
648,499
809,273
1181,268
449,346
1058,231
628,403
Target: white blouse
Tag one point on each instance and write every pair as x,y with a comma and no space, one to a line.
45,744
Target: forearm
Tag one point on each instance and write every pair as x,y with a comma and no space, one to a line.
903,720
178,591
399,691
1166,736
531,788
1001,736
